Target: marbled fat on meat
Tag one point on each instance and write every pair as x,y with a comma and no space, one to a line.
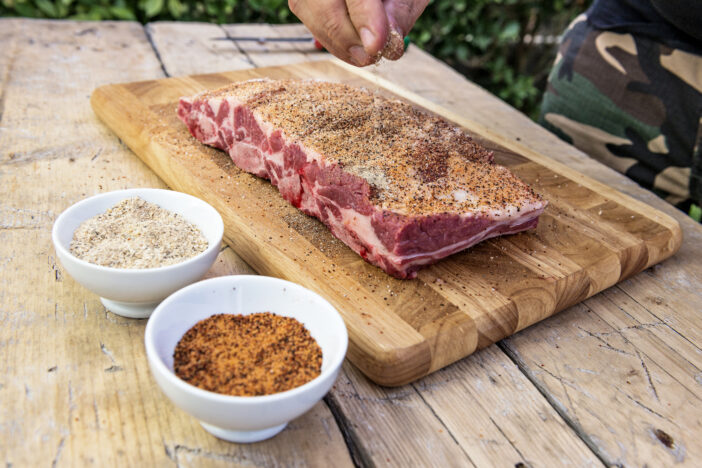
401,187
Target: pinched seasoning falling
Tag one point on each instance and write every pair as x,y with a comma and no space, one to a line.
137,234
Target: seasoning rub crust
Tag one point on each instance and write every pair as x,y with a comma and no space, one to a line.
403,188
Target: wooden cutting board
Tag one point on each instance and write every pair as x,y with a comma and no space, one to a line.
589,238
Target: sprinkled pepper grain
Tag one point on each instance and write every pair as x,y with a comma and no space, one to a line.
247,355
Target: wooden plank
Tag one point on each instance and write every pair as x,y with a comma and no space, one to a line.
274,53
681,358
174,41
9,40
671,291
190,48
623,395
482,403
75,388
642,343
464,415
393,426
422,327
370,415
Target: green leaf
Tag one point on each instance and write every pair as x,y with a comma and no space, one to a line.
510,31
423,37
25,9
696,213
482,42
122,13
176,8
462,52
152,7
92,15
47,8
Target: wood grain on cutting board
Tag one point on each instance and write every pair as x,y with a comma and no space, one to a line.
589,238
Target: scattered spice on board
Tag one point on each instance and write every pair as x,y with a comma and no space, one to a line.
247,355
137,234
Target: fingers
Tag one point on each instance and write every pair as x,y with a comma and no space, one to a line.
371,22
402,14
330,23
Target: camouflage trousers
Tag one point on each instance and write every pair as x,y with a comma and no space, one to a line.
632,104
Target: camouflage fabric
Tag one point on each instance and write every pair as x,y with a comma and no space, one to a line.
632,104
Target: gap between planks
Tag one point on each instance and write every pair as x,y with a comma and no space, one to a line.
150,39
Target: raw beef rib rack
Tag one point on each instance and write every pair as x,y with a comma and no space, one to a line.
401,187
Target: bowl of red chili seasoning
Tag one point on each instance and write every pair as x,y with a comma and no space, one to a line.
245,354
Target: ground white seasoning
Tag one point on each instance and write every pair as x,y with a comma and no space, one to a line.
137,234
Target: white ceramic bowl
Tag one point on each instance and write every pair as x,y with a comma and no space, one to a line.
135,293
242,418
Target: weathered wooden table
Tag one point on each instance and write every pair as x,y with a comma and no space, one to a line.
614,380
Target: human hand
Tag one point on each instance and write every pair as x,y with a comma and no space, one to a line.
357,31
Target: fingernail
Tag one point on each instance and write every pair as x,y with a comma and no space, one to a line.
359,55
367,37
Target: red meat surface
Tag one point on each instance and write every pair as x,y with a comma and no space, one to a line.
401,187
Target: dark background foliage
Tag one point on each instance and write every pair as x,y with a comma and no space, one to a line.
506,46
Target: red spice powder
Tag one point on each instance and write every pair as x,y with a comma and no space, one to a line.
247,355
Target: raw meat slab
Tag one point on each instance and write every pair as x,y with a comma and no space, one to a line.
402,188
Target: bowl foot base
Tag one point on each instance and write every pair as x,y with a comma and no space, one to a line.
243,437
130,309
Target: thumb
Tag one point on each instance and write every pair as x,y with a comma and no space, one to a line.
402,14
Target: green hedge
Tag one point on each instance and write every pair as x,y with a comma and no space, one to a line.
487,40
219,11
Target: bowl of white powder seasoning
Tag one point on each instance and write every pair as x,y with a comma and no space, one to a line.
135,247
